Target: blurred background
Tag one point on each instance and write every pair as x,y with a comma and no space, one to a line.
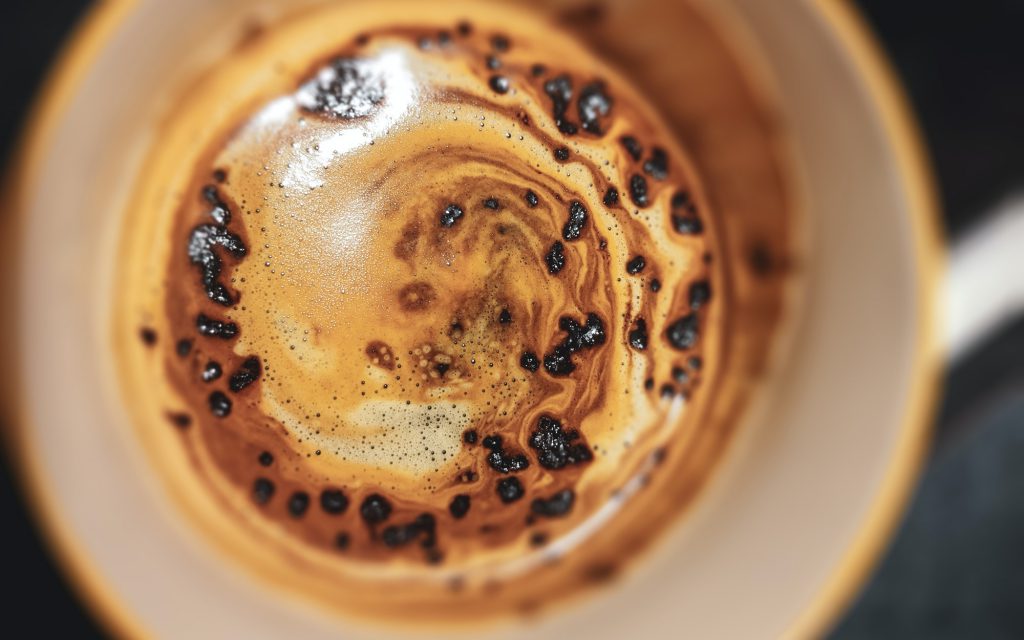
956,569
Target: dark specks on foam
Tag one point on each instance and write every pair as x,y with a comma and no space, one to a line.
247,373
632,147
469,436
211,371
638,337
492,204
557,506
635,265
459,506
345,88
529,361
557,448
298,504
577,220
510,490
183,347
375,509
499,84
220,404
501,460
562,154
700,294
208,326
555,257
683,333
611,197
656,165
262,490
265,459
531,199
148,336
559,361
451,215
638,190
559,90
333,501
594,104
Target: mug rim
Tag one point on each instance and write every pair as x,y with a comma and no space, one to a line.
102,19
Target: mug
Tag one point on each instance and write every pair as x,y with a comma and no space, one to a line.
779,540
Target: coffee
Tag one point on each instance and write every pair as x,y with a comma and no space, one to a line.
426,303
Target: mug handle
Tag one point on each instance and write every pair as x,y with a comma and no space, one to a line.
985,280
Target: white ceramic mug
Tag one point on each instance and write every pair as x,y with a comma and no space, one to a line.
778,543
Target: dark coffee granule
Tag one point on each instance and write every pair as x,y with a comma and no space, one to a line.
207,326
632,146
695,363
248,372
667,391
559,89
577,220
683,333
682,200
184,347
211,371
459,506
492,204
556,447
148,336
266,459
493,63
375,509
509,490
649,384
333,501
262,490
442,368
611,197
444,38
499,84
220,213
202,241
464,28
538,70
656,166
680,375
342,541
502,461
556,506
220,404
531,199
450,215
298,503
469,436
180,420
594,103
562,154
559,362
538,539
220,175
655,285
529,361
638,336
687,225
700,294
500,43
638,190
555,258
399,535
636,265
504,317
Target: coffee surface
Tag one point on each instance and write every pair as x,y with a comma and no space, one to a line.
427,303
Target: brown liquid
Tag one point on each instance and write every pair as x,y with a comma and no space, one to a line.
428,310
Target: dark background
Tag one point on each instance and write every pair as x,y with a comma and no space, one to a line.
956,570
